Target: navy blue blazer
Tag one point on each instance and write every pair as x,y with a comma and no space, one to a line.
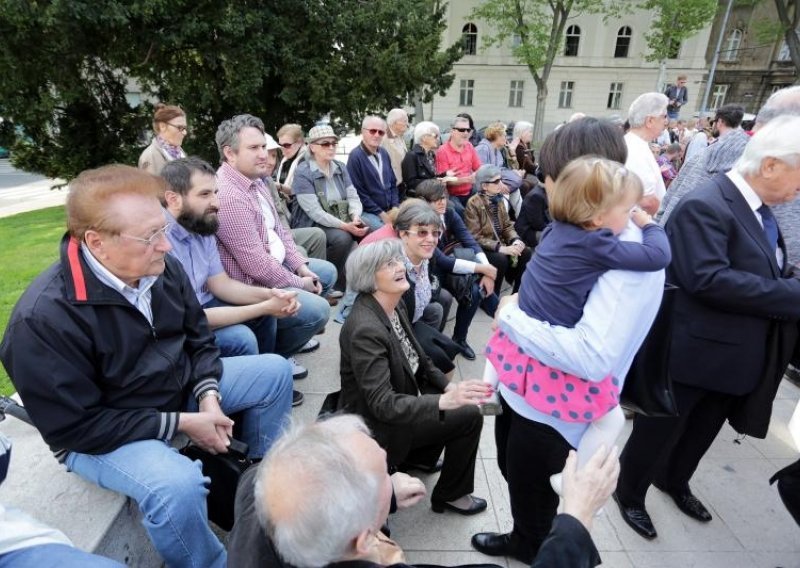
455,231
732,292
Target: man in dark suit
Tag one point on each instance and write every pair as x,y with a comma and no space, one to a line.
324,492
735,303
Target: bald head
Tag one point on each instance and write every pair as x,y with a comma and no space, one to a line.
783,102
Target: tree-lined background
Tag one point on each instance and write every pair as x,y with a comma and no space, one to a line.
65,67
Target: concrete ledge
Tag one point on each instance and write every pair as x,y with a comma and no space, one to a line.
94,519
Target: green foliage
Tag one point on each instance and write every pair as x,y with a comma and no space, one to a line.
66,63
30,244
675,22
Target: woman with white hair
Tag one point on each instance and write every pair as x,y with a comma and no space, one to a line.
395,143
420,163
521,144
413,410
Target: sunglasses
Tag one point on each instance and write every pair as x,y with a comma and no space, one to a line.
463,129
423,233
287,145
374,131
326,144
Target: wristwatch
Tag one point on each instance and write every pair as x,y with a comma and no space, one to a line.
210,392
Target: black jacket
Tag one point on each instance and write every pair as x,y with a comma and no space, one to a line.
93,373
377,381
416,168
533,217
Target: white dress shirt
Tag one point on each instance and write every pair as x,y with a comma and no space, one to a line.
616,318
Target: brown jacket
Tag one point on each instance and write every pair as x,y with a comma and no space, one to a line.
153,159
377,382
479,223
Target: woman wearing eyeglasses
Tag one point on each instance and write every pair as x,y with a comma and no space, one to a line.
293,152
411,407
327,199
487,219
169,127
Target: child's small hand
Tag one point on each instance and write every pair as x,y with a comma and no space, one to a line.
640,217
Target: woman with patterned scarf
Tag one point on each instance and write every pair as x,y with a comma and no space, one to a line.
169,127
487,219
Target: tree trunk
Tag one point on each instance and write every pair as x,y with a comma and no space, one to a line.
541,104
790,22
662,76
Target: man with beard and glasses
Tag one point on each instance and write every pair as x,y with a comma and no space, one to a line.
242,317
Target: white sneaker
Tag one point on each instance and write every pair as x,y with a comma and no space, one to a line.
310,345
298,371
555,483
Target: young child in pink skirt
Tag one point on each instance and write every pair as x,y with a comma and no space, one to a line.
591,203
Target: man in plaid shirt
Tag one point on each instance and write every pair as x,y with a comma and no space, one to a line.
254,246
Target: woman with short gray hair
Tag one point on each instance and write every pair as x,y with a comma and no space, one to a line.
420,163
387,378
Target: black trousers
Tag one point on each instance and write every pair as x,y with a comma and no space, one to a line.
668,450
505,270
528,453
458,434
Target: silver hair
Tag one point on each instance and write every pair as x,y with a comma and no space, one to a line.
457,120
521,128
777,139
786,101
416,214
370,117
364,262
423,129
647,104
396,114
228,131
338,499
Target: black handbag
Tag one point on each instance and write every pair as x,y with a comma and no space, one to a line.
648,385
224,470
460,285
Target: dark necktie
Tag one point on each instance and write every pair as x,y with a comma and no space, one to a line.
770,227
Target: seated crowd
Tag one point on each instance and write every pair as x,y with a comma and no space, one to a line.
183,294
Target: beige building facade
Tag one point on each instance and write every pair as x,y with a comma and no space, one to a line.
601,69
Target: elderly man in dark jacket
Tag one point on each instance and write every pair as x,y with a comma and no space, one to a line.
112,356
328,510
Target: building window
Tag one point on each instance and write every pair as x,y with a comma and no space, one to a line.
614,96
718,95
623,42
469,35
731,50
465,92
573,41
776,88
515,93
516,41
565,94
674,49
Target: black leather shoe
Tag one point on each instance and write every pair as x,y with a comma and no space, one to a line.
501,544
637,518
435,468
297,398
691,506
466,350
477,505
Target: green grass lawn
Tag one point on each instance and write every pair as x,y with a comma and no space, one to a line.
28,245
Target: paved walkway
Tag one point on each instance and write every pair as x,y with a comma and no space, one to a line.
751,528
21,192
